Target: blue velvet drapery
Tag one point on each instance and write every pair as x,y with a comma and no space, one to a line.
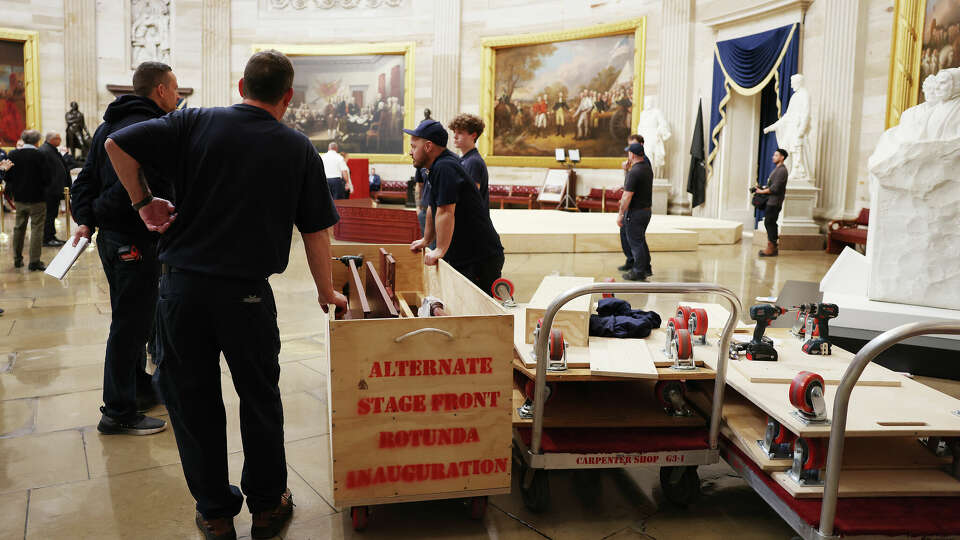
747,65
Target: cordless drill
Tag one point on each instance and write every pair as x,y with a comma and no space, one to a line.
760,348
818,332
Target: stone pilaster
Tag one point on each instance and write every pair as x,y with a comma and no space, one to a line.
216,84
80,60
676,46
840,104
446,61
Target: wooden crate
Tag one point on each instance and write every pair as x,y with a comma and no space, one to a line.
573,318
443,429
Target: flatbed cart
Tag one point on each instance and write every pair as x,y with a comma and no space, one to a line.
676,450
832,517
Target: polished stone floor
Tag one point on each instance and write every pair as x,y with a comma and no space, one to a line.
60,479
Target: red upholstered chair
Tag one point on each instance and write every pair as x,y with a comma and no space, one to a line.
591,201
392,191
497,194
613,197
523,195
842,232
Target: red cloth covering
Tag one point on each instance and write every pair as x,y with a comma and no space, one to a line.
882,516
611,440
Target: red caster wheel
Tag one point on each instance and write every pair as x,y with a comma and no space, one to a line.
664,389
478,507
502,290
360,516
683,313
608,280
809,461
683,344
802,389
697,324
555,347
677,323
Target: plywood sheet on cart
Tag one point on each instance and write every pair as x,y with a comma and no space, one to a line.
831,370
608,404
583,374
573,318
880,483
621,358
409,276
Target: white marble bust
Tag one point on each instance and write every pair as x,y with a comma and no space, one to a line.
655,130
793,127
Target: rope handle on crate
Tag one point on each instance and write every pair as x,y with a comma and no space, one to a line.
398,339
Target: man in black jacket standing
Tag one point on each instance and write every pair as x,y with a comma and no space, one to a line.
776,189
128,252
59,179
28,179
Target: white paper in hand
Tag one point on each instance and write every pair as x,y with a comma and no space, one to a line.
64,260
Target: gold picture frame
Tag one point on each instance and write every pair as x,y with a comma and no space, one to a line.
31,71
903,85
638,27
406,49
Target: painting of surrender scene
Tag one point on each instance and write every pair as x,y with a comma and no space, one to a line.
940,47
13,104
565,94
354,100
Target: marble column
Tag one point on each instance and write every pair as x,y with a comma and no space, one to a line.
676,45
445,85
216,84
80,60
840,103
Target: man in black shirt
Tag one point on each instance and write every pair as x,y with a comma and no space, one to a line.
59,179
219,245
776,189
457,216
467,128
634,213
28,180
128,253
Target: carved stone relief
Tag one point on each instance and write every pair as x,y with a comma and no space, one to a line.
149,31
280,5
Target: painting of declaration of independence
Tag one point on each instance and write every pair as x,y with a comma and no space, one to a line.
13,104
354,100
941,38
566,94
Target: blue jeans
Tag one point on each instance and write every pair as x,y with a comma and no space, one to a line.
422,218
635,224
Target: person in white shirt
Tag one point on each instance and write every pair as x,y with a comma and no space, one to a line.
338,175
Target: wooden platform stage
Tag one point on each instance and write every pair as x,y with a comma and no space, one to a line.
553,231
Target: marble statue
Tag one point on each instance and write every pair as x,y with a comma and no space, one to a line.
78,136
150,31
792,129
655,130
915,201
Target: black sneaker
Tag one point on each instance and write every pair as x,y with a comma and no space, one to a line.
18,262
625,266
633,275
142,425
36,266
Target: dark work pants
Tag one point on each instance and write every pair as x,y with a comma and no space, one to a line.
338,188
200,317
770,216
625,246
422,218
483,272
133,299
635,224
49,225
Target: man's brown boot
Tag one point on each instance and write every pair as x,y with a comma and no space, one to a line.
771,250
216,528
269,523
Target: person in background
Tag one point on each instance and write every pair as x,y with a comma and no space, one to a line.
28,180
467,128
349,181
337,172
635,211
776,189
59,179
624,244
375,182
421,194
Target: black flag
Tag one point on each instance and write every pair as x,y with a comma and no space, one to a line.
697,178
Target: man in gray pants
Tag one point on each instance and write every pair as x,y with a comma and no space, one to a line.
28,179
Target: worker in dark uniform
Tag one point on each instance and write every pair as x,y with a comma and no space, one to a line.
456,215
59,179
624,244
466,129
128,252
634,213
776,189
224,234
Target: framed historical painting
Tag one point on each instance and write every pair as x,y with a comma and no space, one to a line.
357,95
19,84
554,186
926,39
574,89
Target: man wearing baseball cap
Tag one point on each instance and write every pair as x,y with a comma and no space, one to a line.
634,213
457,218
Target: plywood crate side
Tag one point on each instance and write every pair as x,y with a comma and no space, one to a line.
409,264
573,318
459,295
471,408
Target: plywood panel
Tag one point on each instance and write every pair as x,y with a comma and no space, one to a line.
831,371
459,294
620,358
381,305
583,374
880,483
537,243
409,269
573,318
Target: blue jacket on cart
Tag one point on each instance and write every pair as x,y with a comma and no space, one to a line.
614,318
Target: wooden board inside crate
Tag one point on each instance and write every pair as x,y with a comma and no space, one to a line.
621,358
880,483
409,265
573,318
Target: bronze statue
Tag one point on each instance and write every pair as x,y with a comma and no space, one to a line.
78,137
426,114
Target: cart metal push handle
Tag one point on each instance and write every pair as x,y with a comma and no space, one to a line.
540,349
831,484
